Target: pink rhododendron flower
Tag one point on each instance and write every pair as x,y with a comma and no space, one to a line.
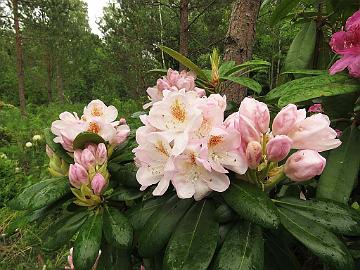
193,179
316,108
121,134
347,44
257,112
286,119
304,165
97,109
176,115
173,81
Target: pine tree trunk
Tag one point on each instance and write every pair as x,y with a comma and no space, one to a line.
184,31
60,83
49,76
19,57
240,39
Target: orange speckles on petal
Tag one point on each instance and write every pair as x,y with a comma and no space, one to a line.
93,127
215,140
178,111
160,147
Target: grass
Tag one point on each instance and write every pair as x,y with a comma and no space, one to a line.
20,167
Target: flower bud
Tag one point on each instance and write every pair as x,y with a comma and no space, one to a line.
278,148
78,175
67,143
304,165
257,112
28,144
285,120
247,130
87,159
101,154
98,183
253,154
316,108
122,132
36,138
49,151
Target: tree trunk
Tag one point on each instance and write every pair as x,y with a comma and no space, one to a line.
240,38
184,31
60,83
49,76
19,57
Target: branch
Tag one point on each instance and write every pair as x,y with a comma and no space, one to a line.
200,14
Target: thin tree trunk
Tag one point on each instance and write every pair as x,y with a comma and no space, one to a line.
19,57
184,29
240,38
60,83
49,76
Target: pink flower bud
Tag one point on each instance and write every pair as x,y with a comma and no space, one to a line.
92,148
122,132
98,183
162,85
101,154
304,165
247,130
257,112
285,120
316,108
66,143
253,154
122,121
87,159
49,151
78,175
278,148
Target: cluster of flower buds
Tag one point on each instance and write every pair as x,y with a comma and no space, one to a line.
97,118
173,81
186,141
89,175
291,129
57,166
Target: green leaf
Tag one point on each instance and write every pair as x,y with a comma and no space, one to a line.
159,227
226,66
336,217
88,242
302,48
86,137
124,174
278,253
158,70
185,61
125,194
117,230
140,213
306,72
252,204
41,194
312,87
194,241
246,65
61,232
246,241
244,81
282,9
321,242
339,177
224,213
56,147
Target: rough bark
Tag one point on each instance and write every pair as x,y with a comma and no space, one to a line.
240,39
60,83
19,57
184,29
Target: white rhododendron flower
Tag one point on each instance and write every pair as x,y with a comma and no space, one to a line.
28,144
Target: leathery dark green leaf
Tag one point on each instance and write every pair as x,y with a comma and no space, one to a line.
316,238
242,249
87,244
159,227
194,241
342,168
337,217
252,204
117,229
59,233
